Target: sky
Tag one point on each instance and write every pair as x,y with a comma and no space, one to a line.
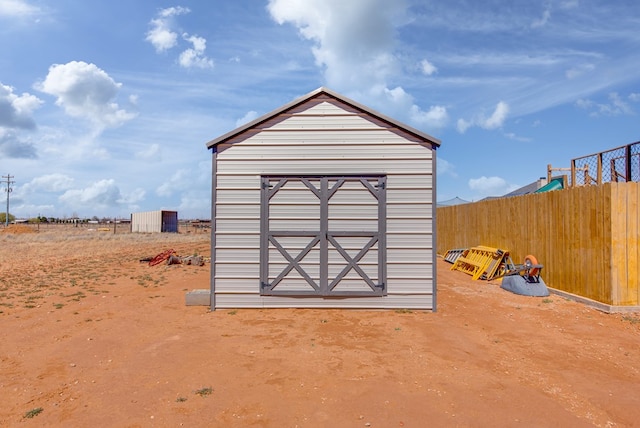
106,106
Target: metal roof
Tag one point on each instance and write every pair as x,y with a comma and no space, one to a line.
322,90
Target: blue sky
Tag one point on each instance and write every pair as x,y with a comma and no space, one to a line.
106,106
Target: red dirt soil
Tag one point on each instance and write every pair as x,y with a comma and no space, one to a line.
94,337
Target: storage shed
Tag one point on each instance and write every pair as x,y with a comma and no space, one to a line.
154,221
323,203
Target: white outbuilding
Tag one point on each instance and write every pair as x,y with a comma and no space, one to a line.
154,221
323,203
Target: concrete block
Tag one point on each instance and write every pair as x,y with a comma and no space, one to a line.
198,298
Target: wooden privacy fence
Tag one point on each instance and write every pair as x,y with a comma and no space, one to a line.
586,237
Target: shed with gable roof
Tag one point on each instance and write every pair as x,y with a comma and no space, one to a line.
323,203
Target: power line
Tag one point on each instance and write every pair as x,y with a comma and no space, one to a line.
6,179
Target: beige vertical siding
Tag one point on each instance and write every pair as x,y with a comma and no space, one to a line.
309,143
148,222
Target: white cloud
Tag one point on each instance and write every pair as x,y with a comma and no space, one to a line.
15,111
569,4
48,183
446,168
490,186
85,91
15,116
543,20
173,11
434,118
194,57
40,209
505,59
462,125
191,186
17,8
616,106
251,115
12,147
400,103
353,40
516,137
584,104
427,68
579,70
134,197
634,97
195,201
152,152
178,181
495,121
161,36
99,195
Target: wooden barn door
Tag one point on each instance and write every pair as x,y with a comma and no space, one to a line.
323,236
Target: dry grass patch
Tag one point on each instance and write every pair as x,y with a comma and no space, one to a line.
59,268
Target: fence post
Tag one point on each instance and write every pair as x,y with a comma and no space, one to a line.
627,155
587,177
599,173
573,173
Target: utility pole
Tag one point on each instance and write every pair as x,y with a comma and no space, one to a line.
6,179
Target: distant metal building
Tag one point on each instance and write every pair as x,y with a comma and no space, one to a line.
323,203
154,221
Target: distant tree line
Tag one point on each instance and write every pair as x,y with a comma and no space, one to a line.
3,218
58,220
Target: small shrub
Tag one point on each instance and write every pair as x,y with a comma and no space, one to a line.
203,392
33,412
631,319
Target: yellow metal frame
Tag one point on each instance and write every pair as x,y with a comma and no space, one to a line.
481,262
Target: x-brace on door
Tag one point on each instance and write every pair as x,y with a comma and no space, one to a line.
323,236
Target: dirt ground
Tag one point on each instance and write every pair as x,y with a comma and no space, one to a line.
93,337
